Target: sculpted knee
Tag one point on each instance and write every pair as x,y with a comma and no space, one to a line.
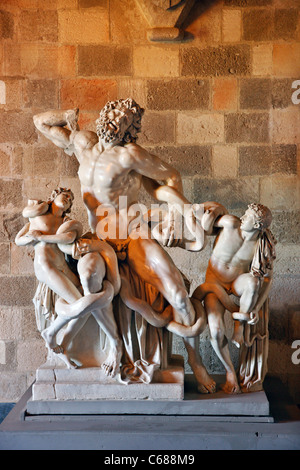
91,270
180,298
253,283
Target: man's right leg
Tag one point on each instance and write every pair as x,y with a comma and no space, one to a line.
151,262
247,288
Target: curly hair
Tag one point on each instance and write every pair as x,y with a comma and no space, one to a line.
56,193
109,129
263,215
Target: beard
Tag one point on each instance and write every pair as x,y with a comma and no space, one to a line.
111,125
108,131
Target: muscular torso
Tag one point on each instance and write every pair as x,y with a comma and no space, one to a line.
105,176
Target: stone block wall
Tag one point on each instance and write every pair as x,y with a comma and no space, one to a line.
218,107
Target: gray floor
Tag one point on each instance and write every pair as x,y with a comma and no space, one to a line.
169,433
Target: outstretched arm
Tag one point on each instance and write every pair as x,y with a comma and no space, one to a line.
165,192
154,169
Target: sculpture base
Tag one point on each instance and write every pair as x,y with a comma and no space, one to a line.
142,399
132,431
57,383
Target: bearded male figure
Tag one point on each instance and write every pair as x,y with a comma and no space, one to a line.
113,165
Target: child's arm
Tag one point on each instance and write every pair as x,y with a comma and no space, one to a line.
66,234
227,221
64,238
24,237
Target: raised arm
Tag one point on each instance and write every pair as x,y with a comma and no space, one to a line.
52,125
216,217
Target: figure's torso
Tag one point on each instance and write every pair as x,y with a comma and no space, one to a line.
232,255
105,176
48,223
47,254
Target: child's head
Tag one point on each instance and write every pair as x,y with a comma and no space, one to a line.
62,197
256,217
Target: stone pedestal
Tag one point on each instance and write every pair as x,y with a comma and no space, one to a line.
66,394
197,422
57,383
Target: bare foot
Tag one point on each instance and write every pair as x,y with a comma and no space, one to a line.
237,338
49,339
231,385
112,362
69,363
205,383
56,349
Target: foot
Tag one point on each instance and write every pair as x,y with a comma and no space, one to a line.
237,338
207,386
205,383
231,385
49,339
112,363
57,349
69,363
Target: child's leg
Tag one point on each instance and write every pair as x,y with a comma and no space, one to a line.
247,288
106,320
91,268
238,333
215,314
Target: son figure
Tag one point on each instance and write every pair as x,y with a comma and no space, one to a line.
53,234
241,264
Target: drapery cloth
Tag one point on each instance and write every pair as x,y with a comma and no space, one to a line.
254,352
264,255
44,305
145,346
